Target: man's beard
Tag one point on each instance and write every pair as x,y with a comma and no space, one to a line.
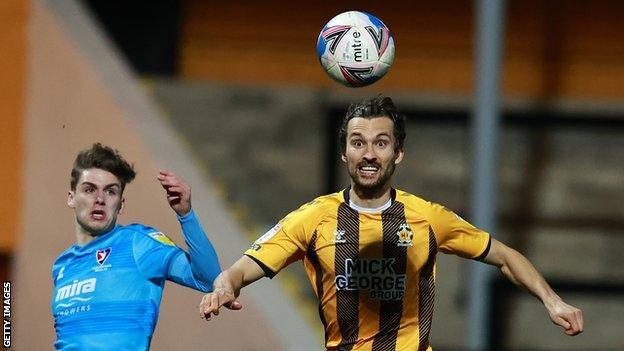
372,190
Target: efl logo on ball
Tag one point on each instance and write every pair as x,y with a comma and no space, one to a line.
355,48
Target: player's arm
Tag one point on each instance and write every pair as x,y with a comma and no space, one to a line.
521,272
227,286
202,258
283,244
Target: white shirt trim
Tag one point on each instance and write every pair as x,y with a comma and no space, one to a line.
368,209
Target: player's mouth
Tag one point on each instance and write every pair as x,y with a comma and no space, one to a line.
98,215
368,171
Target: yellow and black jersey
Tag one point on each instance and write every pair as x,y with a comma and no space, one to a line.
373,273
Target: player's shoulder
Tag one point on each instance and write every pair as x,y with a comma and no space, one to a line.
313,211
412,200
419,206
64,254
319,205
325,202
416,206
144,232
69,256
62,258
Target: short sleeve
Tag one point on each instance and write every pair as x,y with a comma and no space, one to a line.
287,241
456,236
153,253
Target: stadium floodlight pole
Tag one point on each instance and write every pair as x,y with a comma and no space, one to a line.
489,30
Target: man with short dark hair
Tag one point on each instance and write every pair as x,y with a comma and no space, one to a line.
369,250
108,286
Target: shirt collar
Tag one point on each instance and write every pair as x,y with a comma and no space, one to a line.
347,200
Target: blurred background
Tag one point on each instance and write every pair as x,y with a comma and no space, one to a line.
231,95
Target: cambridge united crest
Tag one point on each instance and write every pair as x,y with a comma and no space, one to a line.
405,235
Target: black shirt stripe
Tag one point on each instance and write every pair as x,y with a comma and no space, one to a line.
318,272
426,287
390,311
347,301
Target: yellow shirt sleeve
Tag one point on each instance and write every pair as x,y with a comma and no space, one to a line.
287,241
456,236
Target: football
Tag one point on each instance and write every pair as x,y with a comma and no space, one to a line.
355,48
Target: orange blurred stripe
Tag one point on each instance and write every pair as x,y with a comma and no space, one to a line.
13,26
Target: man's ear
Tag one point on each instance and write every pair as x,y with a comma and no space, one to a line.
399,156
121,205
343,157
71,203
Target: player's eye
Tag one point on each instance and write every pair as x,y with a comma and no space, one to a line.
111,192
382,143
357,143
89,189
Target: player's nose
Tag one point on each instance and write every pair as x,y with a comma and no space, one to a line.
99,198
369,154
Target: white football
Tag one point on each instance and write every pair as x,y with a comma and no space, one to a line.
355,48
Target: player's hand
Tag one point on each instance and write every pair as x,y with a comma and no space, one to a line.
211,303
566,316
178,191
